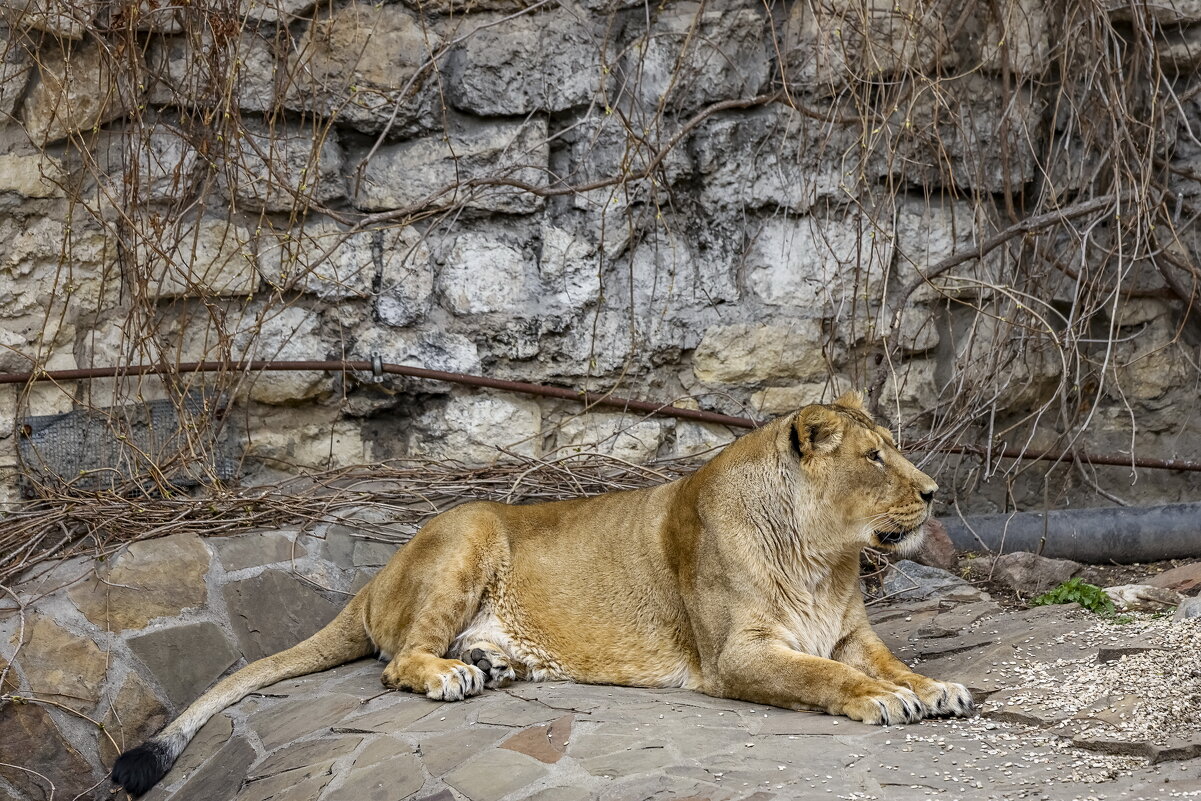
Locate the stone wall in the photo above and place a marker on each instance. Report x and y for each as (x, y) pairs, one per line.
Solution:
(734, 204)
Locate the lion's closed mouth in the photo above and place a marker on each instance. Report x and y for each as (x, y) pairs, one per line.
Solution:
(891, 537)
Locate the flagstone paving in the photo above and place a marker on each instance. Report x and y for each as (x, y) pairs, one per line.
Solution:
(1072, 708)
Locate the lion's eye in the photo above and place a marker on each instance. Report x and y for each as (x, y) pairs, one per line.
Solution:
(874, 455)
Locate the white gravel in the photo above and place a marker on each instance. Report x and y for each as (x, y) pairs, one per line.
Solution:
(1151, 696)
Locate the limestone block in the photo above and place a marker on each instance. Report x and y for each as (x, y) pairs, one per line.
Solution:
(601, 148)
(927, 233)
(610, 6)
(1019, 39)
(37, 274)
(284, 167)
(66, 20)
(703, 440)
(284, 11)
(15, 67)
(61, 666)
(368, 65)
(1149, 365)
(289, 333)
(918, 331)
(569, 268)
(813, 262)
(406, 277)
(1001, 356)
(275, 610)
(321, 258)
(134, 714)
(33, 175)
(537, 62)
(672, 279)
(74, 92)
(775, 401)
(839, 42)
(157, 16)
(151, 161)
(185, 659)
(203, 71)
(152, 579)
(967, 136)
(205, 257)
(1181, 48)
(456, 6)
(911, 390)
(473, 428)
(15, 356)
(1165, 13)
(1134, 312)
(693, 55)
(624, 437)
(426, 172)
(29, 739)
(607, 345)
(433, 350)
(747, 353)
(775, 156)
(312, 446)
(482, 274)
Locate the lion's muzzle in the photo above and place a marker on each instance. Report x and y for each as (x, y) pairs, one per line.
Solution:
(892, 537)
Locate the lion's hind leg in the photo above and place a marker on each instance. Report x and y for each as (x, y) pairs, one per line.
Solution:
(428, 595)
(492, 660)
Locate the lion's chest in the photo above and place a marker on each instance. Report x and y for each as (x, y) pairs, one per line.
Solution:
(815, 622)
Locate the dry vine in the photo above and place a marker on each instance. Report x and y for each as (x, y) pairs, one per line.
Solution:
(1053, 140)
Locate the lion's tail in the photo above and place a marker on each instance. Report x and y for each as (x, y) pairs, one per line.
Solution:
(343, 640)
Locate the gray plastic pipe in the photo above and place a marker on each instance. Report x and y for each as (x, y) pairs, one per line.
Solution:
(1097, 536)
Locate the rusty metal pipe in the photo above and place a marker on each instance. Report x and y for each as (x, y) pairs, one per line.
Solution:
(543, 390)
(340, 366)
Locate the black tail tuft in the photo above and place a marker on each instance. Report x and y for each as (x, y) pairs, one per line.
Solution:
(139, 769)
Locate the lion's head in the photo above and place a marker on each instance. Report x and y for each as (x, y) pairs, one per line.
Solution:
(854, 472)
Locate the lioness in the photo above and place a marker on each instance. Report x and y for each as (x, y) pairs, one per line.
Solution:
(740, 581)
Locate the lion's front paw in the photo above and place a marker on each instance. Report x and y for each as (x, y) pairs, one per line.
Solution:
(456, 683)
(946, 699)
(439, 679)
(885, 706)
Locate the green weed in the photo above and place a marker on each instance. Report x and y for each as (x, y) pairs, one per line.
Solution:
(1075, 591)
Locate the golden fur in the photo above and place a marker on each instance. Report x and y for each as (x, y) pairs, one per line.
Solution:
(740, 581)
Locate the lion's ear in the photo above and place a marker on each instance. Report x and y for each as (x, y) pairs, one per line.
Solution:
(816, 431)
(852, 399)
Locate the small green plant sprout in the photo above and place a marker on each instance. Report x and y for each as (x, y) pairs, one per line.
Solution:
(1075, 591)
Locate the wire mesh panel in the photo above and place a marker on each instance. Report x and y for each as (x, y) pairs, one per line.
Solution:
(146, 448)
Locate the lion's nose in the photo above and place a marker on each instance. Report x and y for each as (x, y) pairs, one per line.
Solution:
(928, 495)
